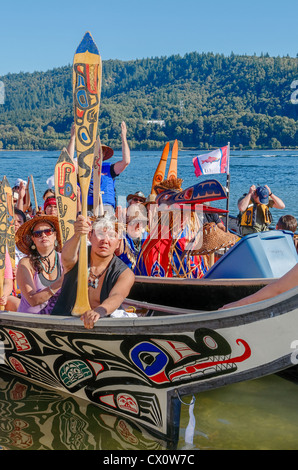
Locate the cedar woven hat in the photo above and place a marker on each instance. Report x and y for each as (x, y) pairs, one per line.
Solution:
(23, 235)
(108, 152)
(214, 239)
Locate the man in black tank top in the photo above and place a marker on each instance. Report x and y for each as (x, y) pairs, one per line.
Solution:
(109, 281)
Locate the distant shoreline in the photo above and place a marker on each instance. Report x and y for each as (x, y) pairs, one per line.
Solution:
(184, 149)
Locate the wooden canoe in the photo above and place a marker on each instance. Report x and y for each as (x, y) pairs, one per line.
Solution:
(140, 367)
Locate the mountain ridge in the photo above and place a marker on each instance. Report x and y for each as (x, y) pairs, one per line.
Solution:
(202, 99)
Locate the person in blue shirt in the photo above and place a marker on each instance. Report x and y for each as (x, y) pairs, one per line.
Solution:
(109, 170)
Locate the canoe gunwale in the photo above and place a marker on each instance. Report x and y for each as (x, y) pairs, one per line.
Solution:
(276, 306)
(202, 281)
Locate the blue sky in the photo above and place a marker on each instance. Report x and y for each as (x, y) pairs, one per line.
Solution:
(39, 35)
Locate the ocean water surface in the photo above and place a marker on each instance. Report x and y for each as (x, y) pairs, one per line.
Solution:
(277, 169)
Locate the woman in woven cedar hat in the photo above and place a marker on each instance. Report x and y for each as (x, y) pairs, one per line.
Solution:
(39, 274)
(213, 239)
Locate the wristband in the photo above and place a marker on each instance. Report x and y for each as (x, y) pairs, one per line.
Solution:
(51, 291)
(270, 194)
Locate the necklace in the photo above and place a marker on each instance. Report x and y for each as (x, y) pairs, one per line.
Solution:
(93, 280)
(137, 244)
(48, 270)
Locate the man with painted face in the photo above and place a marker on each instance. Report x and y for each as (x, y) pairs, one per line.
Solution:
(109, 280)
(254, 208)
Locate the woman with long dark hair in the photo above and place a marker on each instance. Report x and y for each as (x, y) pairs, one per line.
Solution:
(39, 274)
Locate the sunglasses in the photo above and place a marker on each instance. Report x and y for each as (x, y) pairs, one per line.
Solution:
(39, 233)
(137, 199)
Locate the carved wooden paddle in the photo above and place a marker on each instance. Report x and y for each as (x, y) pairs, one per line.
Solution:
(34, 194)
(10, 238)
(159, 174)
(66, 194)
(10, 235)
(3, 235)
(172, 173)
(86, 94)
(97, 195)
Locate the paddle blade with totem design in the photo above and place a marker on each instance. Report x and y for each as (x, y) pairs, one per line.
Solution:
(3, 236)
(86, 95)
(66, 194)
(10, 237)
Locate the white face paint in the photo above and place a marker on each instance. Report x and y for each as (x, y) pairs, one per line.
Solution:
(104, 236)
(107, 224)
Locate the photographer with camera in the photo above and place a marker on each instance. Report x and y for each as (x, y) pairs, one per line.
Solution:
(254, 208)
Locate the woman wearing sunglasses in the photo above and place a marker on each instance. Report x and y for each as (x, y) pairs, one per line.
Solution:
(39, 274)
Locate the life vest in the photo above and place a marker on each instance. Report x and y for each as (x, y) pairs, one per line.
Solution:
(107, 186)
(249, 216)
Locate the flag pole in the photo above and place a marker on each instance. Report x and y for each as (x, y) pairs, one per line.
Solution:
(228, 188)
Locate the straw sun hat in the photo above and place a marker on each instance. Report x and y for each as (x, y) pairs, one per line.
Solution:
(214, 239)
(23, 236)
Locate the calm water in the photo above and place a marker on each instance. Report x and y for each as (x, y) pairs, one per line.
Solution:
(256, 415)
(278, 169)
(260, 414)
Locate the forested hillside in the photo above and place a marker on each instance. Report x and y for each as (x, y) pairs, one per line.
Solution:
(203, 100)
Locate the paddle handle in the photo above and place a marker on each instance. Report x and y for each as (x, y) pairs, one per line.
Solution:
(100, 208)
(82, 301)
(34, 193)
